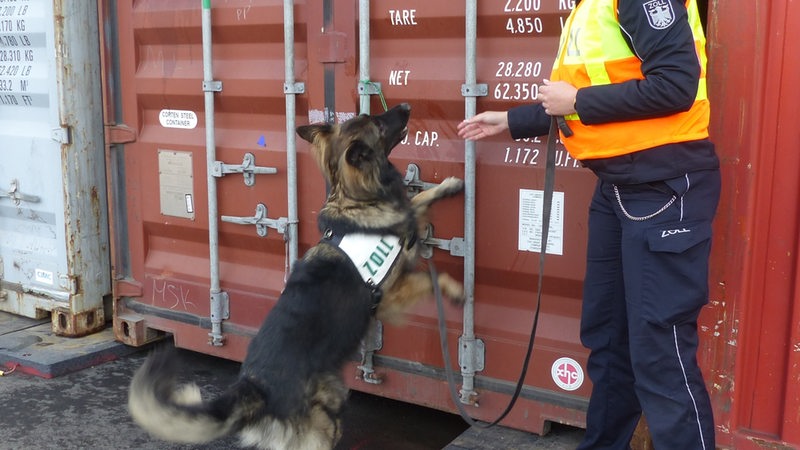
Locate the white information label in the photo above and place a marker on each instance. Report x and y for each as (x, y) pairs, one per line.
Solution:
(44, 277)
(531, 203)
(24, 56)
(177, 118)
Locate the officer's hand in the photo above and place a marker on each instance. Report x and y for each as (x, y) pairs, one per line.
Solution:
(558, 97)
(485, 124)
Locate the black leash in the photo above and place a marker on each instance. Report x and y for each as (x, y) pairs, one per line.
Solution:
(550, 168)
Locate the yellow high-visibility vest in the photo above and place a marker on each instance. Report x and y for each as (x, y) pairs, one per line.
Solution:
(593, 52)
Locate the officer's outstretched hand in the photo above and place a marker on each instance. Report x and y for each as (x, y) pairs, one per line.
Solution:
(485, 124)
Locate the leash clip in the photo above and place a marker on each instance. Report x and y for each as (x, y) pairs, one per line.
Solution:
(377, 294)
(564, 127)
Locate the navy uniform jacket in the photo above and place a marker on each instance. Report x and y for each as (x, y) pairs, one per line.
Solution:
(671, 69)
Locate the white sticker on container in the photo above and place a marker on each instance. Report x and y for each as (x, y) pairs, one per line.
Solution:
(44, 277)
(567, 374)
(531, 203)
(189, 203)
(177, 118)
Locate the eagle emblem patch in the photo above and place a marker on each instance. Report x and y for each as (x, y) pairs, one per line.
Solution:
(659, 13)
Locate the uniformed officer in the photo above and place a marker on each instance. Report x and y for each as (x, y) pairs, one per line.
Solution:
(630, 80)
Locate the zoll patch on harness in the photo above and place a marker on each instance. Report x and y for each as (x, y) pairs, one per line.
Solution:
(372, 254)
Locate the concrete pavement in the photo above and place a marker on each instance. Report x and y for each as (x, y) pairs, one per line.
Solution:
(84, 405)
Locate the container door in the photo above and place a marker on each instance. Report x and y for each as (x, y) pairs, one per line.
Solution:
(163, 278)
(417, 54)
(53, 237)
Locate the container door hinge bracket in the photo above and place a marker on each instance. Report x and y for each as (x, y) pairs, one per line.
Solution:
(119, 134)
(247, 168)
(367, 87)
(471, 358)
(471, 354)
(16, 196)
(70, 283)
(127, 287)
(456, 246)
(260, 220)
(220, 310)
(223, 306)
(475, 90)
(60, 135)
(294, 88)
(413, 182)
(212, 86)
(372, 342)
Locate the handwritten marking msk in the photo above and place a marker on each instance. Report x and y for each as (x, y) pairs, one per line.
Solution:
(166, 292)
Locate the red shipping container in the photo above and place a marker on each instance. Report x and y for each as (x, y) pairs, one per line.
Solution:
(158, 153)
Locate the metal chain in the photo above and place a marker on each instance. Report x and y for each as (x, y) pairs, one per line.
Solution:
(641, 218)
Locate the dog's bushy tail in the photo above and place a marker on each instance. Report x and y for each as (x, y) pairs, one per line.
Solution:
(177, 413)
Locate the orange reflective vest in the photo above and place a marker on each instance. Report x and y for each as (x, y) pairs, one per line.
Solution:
(593, 52)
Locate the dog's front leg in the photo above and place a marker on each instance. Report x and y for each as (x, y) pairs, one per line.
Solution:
(413, 287)
(449, 187)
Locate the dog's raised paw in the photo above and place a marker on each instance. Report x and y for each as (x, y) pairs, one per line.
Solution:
(452, 289)
(452, 185)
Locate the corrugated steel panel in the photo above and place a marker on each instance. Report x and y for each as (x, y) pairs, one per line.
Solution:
(53, 236)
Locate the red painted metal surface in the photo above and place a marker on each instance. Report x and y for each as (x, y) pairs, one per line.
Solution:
(417, 55)
(750, 331)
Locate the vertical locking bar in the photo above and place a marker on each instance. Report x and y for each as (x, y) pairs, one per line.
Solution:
(217, 298)
(291, 235)
(468, 341)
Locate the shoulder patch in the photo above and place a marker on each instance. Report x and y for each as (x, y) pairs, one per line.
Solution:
(659, 13)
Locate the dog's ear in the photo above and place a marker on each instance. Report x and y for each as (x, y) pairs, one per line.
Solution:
(359, 153)
(310, 132)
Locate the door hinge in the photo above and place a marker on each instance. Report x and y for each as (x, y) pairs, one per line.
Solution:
(413, 181)
(61, 135)
(119, 134)
(127, 287)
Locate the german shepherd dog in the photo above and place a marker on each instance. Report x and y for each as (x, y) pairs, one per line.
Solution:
(290, 392)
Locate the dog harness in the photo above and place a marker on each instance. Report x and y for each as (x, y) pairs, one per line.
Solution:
(373, 255)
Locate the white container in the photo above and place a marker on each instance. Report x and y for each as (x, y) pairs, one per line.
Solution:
(54, 254)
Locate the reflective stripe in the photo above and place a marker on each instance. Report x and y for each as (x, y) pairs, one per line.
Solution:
(702, 91)
(689, 389)
(598, 73)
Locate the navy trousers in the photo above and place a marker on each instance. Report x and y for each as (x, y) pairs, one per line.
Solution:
(646, 281)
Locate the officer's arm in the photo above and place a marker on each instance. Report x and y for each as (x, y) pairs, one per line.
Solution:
(528, 121)
(669, 64)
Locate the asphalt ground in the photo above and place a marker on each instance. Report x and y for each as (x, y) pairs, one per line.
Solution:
(86, 408)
